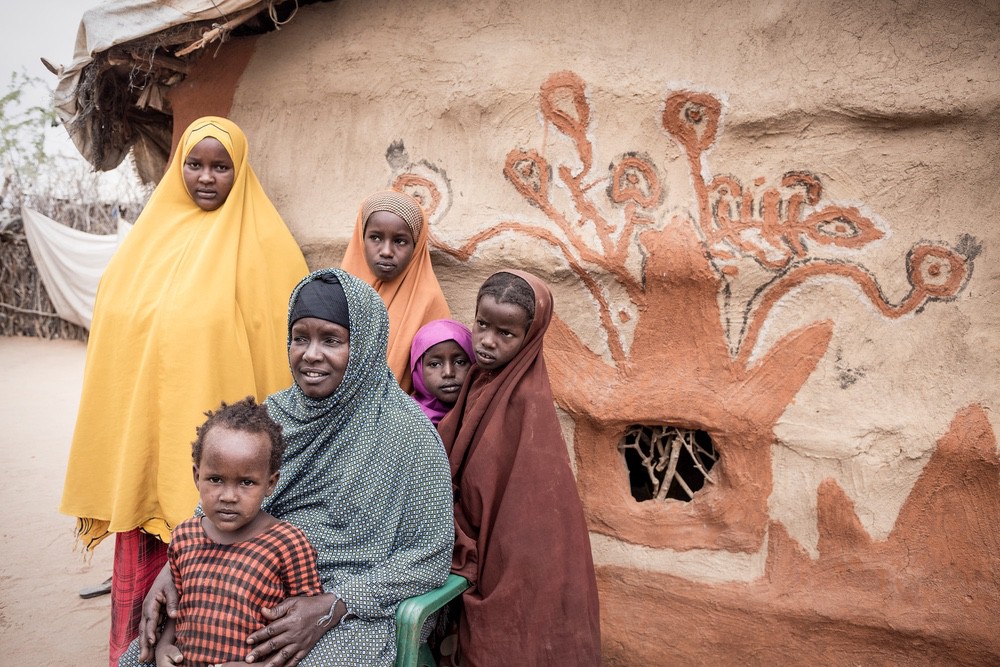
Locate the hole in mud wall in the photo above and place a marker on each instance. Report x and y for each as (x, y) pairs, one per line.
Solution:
(667, 462)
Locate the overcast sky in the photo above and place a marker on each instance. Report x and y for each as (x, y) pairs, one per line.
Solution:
(31, 30)
(39, 28)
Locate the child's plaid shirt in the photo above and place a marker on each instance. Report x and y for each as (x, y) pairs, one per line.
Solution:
(223, 587)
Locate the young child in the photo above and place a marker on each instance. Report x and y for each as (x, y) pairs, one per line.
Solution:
(521, 538)
(440, 358)
(388, 250)
(236, 559)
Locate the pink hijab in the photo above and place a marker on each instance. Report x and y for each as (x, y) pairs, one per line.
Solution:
(429, 335)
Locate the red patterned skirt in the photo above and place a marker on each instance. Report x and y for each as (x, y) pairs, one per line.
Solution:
(139, 557)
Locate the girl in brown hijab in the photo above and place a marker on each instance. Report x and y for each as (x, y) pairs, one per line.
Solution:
(389, 252)
(521, 539)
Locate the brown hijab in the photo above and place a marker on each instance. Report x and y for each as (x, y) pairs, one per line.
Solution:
(521, 538)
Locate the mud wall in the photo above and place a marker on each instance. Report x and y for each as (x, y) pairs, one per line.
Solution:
(768, 226)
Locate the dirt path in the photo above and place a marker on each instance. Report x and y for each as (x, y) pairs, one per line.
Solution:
(42, 619)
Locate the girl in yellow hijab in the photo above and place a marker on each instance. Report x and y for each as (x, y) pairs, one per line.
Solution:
(388, 250)
(190, 312)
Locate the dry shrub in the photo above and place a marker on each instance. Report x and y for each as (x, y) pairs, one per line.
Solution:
(25, 307)
(61, 187)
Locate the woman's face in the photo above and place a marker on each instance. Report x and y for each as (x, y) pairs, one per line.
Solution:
(208, 174)
(499, 332)
(388, 245)
(318, 355)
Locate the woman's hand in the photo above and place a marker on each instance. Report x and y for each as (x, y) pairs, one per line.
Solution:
(161, 598)
(292, 630)
(168, 655)
(167, 652)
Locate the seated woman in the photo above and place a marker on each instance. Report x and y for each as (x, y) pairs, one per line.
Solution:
(389, 252)
(364, 476)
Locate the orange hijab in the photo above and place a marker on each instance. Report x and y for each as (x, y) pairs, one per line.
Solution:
(190, 312)
(413, 298)
(520, 535)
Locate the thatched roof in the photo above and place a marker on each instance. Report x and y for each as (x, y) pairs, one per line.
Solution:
(128, 53)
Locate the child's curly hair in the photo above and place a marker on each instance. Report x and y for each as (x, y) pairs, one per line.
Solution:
(247, 416)
(508, 288)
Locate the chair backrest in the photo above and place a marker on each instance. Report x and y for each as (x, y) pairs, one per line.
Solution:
(412, 613)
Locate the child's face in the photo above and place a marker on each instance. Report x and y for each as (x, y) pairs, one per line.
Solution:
(208, 174)
(388, 245)
(499, 332)
(445, 366)
(233, 477)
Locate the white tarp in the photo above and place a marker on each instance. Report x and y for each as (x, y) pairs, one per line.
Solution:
(117, 22)
(70, 263)
(120, 21)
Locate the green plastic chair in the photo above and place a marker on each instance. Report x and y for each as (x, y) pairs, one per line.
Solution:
(411, 614)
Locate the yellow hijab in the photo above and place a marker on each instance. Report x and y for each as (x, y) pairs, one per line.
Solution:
(190, 312)
(414, 297)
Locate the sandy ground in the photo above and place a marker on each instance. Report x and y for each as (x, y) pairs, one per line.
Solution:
(43, 621)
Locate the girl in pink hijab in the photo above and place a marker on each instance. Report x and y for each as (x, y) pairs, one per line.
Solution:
(440, 358)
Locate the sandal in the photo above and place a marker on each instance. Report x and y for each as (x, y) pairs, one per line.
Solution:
(96, 591)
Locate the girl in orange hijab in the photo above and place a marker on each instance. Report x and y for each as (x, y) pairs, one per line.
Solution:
(389, 251)
(190, 312)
